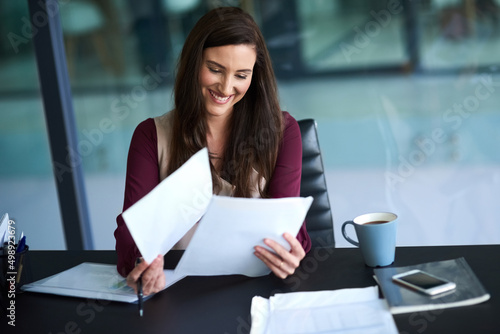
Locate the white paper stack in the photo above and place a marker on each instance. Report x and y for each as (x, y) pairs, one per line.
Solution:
(344, 311)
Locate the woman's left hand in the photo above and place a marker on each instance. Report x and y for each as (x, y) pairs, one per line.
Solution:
(283, 262)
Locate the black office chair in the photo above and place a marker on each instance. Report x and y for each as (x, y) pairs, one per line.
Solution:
(319, 220)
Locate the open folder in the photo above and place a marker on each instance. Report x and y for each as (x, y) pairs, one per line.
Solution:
(230, 228)
(91, 280)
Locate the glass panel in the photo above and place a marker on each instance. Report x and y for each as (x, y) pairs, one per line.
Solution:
(27, 192)
(351, 34)
(459, 33)
(121, 57)
(422, 146)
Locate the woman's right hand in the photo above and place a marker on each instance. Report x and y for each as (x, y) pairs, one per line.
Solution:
(153, 277)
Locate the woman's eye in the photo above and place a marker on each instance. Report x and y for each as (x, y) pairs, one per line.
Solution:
(213, 70)
(243, 77)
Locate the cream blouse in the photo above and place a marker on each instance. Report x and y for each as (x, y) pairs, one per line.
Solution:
(163, 130)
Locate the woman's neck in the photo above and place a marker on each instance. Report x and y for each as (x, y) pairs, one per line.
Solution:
(217, 135)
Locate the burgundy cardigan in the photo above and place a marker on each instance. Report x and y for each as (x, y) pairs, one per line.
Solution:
(143, 175)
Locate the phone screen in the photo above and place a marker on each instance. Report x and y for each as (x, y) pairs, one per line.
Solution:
(422, 280)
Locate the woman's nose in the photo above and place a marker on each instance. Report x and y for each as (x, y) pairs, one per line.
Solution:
(227, 86)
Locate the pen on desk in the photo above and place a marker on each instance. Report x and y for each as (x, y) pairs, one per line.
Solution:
(139, 290)
(21, 244)
(20, 269)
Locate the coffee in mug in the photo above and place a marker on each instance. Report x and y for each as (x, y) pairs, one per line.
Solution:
(377, 222)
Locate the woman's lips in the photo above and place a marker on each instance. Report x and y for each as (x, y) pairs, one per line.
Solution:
(218, 98)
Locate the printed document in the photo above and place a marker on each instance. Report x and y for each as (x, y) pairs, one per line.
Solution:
(162, 217)
(224, 241)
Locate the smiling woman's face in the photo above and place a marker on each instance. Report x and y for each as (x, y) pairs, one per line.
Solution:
(226, 74)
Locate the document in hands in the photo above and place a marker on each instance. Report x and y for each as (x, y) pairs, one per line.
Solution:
(225, 237)
(230, 228)
(162, 217)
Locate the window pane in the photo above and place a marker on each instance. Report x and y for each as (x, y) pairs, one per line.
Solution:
(421, 145)
(351, 34)
(27, 192)
(459, 34)
(121, 57)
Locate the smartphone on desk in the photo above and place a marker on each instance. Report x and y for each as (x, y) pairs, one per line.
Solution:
(424, 282)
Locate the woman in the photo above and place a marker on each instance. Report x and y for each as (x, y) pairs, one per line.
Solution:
(225, 99)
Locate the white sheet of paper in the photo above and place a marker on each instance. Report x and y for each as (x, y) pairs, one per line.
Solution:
(224, 241)
(357, 310)
(162, 217)
(91, 280)
(4, 222)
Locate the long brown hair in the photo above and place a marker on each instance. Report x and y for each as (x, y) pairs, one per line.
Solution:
(256, 123)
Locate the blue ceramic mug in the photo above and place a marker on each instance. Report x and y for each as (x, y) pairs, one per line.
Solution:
(376, 234)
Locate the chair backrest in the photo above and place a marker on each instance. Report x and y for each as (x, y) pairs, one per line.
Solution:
(319, 219)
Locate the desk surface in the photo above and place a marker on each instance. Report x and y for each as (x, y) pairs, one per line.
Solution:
(221, 304)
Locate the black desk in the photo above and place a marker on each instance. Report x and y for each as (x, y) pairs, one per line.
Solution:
(222, 304)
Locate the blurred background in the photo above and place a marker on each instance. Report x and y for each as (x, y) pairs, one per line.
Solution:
(406, 95)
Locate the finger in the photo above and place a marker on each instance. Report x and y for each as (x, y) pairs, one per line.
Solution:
(296, 246)
(280, 266)
(283, 254)
(285, 261)
(138, 271)
(147, 282)
(155, 277)
(156, 283)
(134, 275)
(132, 284)
(269, 256)
(161, 282)
(279, 270)
(150, 276)
(148, 288)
